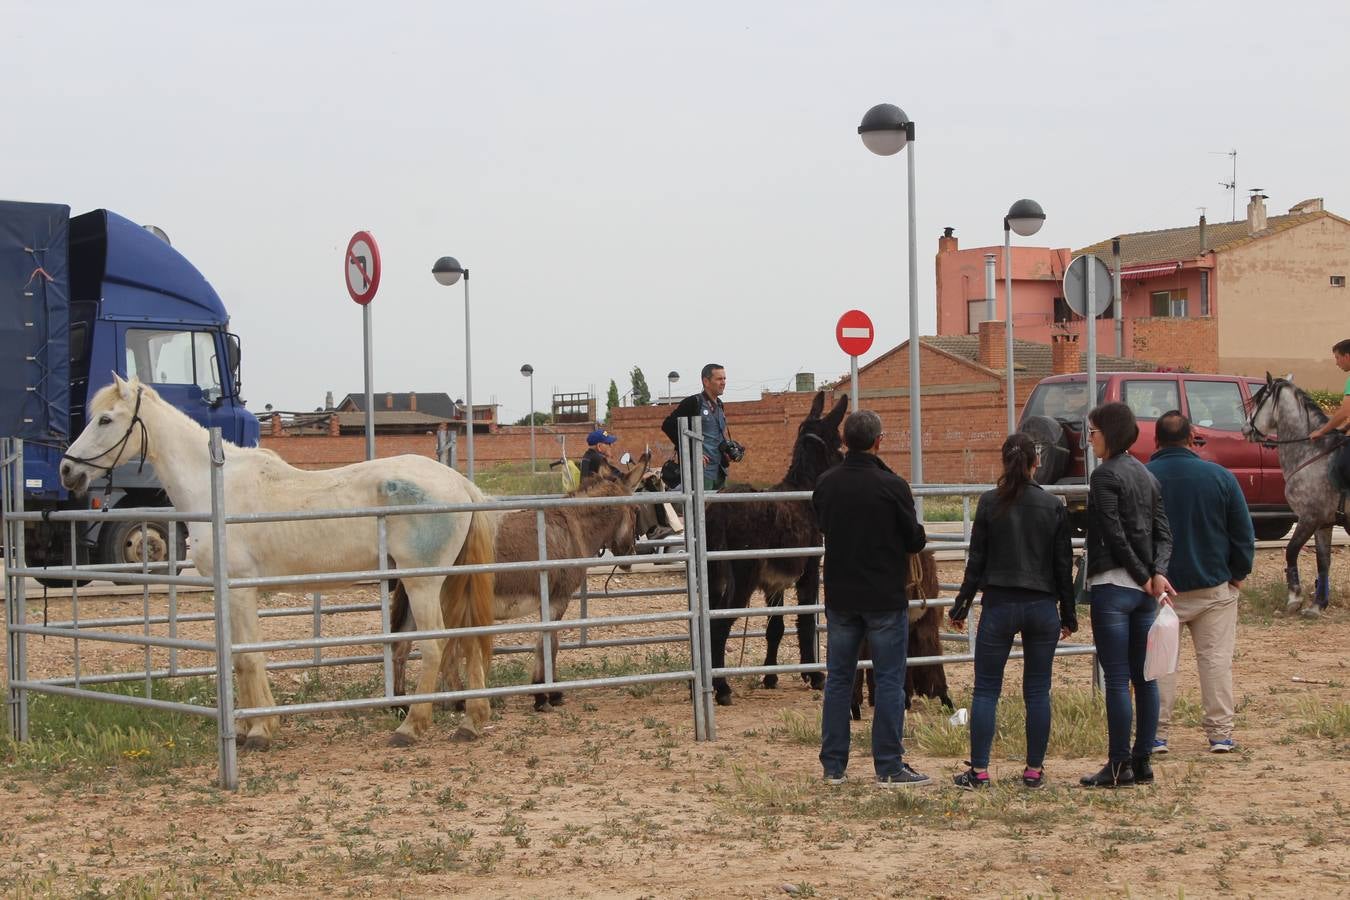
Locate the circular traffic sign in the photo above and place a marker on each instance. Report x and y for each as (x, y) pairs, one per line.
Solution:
(361, 264)
(1076, 285)
(854, 332)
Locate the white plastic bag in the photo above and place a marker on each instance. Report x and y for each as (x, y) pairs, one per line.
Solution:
(1164, 644)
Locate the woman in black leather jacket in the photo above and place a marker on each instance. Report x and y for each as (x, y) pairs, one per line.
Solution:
(1128, 548)
(1021, 559)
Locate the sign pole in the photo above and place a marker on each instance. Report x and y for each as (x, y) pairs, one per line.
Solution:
(370, 394)
(853, 383)
(1089, 461)
(361, 266)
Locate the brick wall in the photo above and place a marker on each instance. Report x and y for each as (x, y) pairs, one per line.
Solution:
(1192, 343)
(511, 443)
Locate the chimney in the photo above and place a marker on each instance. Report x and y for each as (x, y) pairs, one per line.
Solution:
(328, 400)
(1256, 212)
(334, 429)
(1065, 357)
(412, 401)
(1203, 248)
(388, 401)
(947, 243)
(275, 424)
(993, 355)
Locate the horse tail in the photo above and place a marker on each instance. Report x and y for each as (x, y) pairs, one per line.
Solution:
(467, 600)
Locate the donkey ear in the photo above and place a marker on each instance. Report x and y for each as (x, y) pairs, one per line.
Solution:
(836, 415)
(817, 405)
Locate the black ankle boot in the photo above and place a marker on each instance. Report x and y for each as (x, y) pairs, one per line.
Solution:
(1112, 775)
(1143, 771)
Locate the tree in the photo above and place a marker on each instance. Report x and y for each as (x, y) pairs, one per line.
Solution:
(540, 418)
(642, 395)
(611, 400)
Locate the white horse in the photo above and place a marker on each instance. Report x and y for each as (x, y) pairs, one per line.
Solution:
(260, 481)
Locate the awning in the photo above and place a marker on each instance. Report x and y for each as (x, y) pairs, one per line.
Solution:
(1138, 273)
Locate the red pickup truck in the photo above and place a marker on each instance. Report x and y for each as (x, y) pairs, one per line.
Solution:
(1216, 405)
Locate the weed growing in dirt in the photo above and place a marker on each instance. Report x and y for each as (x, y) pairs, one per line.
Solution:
(1324, 720)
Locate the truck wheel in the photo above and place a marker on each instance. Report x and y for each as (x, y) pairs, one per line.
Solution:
(1272, 529)
(134, 542)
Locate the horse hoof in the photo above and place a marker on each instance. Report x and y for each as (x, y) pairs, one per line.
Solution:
(401, 739)
(557, 699)
(463, 734)
(256, 743)
(1312, 612)
(723, 699)
(771, 681)
(542, 706)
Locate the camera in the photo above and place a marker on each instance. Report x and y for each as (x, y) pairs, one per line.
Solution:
(734, 450)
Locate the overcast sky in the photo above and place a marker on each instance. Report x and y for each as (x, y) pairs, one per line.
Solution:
(641, 184)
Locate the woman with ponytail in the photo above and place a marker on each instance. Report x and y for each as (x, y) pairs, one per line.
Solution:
(1021, 561)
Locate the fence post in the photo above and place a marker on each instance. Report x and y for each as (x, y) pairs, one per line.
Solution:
(225, 724)
(16, 597)
(694, 451)
(387, 652)
(173, 596)
(75, 600)
(691, 577)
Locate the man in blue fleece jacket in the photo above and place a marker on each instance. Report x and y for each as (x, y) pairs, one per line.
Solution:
(1212, 550)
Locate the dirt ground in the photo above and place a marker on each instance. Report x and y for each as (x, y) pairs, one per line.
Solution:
(611, 796)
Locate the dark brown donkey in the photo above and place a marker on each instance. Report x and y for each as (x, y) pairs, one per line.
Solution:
(925, 625)
(571, 532)
(771, 525)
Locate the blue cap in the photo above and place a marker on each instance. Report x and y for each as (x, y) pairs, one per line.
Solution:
(600, 436)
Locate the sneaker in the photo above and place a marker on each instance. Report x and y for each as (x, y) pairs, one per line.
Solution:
(1031, 778)
(835, 778)
(906, 777)
(1112, 775)
(1224, 746)
(1159, 745)
(971, 780)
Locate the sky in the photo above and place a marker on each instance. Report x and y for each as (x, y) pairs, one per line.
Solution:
(641, 184)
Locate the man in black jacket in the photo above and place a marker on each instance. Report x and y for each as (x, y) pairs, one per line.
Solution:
(867, 514)
(706, 404)
(595, 461)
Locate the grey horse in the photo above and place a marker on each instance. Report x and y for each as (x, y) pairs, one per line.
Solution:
(1282, 408)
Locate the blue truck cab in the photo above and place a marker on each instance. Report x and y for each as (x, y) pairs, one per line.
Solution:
(80, 298)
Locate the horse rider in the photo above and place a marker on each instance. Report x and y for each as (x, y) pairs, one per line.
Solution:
(707, 404)
(595, 461)
(1341, 418)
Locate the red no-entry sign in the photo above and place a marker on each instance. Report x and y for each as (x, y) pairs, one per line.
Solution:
(854, 332)
(361, 265)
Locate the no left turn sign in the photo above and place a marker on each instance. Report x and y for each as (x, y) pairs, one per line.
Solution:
(362, 267)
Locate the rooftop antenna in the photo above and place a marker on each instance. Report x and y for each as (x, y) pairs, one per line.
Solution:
(1231, 186)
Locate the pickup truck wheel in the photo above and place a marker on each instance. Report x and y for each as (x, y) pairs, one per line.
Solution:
(1272, 529)
(134, 542)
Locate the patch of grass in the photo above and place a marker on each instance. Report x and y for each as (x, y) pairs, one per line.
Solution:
(84, 738)
(1324, 720)
(515, 479)
(944, 509)
(1261, 604)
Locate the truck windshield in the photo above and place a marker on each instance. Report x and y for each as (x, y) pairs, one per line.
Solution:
(1064, 400)
(174, 357)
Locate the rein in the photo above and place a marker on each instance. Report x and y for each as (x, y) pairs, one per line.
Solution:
(1274, 397)
(118, 447)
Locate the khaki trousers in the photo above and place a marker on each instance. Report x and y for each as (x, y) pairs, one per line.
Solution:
(1211, 615)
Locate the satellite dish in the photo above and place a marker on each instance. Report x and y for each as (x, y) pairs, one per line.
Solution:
(159, 233)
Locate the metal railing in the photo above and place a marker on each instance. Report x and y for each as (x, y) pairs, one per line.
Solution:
(695, 615)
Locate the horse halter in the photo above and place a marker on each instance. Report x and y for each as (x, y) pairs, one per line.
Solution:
(1272, 392)
(118, 447)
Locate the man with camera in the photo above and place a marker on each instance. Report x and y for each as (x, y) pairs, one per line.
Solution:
(719, 450)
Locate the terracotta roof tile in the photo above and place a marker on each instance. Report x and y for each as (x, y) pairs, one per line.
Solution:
(1184, 243)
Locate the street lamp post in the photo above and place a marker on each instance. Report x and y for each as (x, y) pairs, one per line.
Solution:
(528, 371)
(447, 271)
(671, 377)
(886, 130)
(1026, 218)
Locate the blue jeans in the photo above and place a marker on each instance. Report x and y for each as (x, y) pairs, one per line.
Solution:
(1121, 618)
(887, 634)
(1038, 623)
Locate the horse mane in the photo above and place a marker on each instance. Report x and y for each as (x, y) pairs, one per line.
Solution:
(1314, 410)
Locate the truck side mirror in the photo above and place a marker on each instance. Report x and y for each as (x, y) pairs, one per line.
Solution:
(232, 348)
